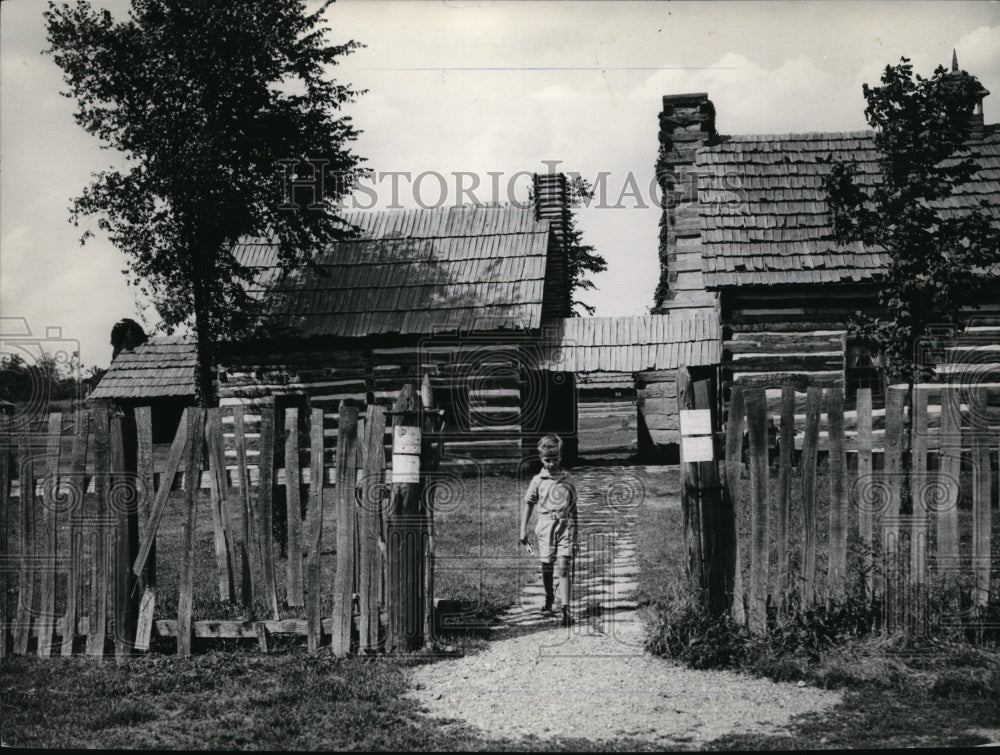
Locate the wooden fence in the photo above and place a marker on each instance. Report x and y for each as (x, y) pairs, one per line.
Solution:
(79, 533)
(889, 524)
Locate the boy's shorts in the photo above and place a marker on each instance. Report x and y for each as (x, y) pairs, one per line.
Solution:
(555, 538)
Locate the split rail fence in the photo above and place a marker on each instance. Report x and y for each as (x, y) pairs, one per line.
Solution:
(79, 532)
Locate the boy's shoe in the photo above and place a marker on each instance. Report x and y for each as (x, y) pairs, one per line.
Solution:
(547, 608)
(567, 620)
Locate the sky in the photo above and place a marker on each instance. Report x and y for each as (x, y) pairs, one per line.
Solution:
(487, 89)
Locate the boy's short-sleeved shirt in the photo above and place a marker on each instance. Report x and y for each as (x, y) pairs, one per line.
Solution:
(554, 496)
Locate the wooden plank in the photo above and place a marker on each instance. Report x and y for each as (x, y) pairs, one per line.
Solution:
(248, 586)
(865, 488)
(430, 459)
(786, 461)
(234, 629)
(735, 425)
(144, 624)
(293, 564)
(919, 490)
(369, 527)
(5, 528)
(26, 548)
(99, 587)
(313, 568)
(77, 486)
(47, 614)
(981, 485)
(893, 469)
(948, 482)
(343, 583)
(756, 405)
(836, 582)
(265, 523)
(178, 450)
(690, 502)
(718, 522)
(196, 429)
(144, 469)
(125, 510)
(218, 486)
(813, 397)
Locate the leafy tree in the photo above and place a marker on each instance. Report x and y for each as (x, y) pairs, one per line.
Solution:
(582, 260)
(939, 260)
(203, 100)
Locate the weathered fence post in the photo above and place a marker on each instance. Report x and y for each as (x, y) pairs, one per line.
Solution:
(756, 403)
(890, 515)
(918, 495)
(369, 527)
(99, 588)
(50, 528)
(265, 529)
(405, 527)
(735, 425)
(26, 550)
(125, 499)
(981, 486)
(144, 470)
(836, 579)
(195, 434)
(810, 443)
(5, 454)
(248, 585)
(690, 499)
(314, 583)
(430, 459)
(718, 526)
(77, 489)
(343, 585)
(865, 488)
(786, 461)
(225, 541)
(949, 470)
(293, 507)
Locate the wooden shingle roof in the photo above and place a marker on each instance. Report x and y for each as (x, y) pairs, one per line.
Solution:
(413, 272)
(163, 366)
(633, 343)
(764, 216)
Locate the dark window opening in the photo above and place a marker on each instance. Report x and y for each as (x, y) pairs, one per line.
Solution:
(862, 369)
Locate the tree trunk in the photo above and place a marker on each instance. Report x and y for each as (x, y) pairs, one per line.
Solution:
(205, 349)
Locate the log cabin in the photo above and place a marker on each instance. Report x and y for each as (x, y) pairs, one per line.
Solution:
(746, 228)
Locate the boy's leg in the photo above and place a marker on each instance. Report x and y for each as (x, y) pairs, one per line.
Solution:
(563, 572)
(548, 569)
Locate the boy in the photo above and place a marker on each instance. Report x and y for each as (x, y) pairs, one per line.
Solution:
(553, 491)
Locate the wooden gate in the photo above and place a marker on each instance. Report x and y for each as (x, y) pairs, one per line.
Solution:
(85, 540)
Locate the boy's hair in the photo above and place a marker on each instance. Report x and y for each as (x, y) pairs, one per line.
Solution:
(551, 440)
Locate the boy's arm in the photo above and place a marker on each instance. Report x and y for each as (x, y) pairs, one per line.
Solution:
(530, 498)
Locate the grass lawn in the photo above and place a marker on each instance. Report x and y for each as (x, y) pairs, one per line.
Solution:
(235, 697)
(897, 694)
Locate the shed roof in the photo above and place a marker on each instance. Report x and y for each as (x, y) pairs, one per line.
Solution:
(764, 216)
(164, 366)
(688, 337)
(413, 272)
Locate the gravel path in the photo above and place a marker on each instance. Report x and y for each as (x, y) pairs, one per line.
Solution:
(593, 679)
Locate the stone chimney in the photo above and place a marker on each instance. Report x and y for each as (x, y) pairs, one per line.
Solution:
(976, 125)
(551, 192)
(686, 123)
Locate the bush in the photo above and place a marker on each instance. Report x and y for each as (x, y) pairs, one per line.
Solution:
(683, 629)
